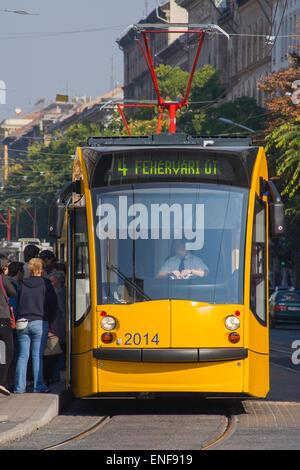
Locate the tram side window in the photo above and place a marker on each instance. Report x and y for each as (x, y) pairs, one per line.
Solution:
(81, 265)
(258, 263)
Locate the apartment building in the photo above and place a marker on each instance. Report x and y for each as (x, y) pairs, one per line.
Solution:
(259, 42)
(137, 80)
(285, 24)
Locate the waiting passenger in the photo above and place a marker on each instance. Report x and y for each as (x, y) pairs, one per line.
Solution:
(30, 251)
(16, 275)
(6, 331)
(37, 306)
(48, 258)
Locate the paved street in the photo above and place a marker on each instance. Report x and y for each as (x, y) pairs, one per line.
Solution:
(183, 424)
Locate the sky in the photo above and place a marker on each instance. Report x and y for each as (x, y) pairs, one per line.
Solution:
(52, 50)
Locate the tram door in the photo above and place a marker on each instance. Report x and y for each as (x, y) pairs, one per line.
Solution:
(258, 285)
(258, 338)
(79, 298)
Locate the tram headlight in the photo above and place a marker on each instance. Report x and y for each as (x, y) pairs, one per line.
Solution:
(232, 323)
(108, 323)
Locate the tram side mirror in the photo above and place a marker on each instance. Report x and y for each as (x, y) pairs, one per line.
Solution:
(276, 209)
(56, 219)
(58, 208)
(277, 219)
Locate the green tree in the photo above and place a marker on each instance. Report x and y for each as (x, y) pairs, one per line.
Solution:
(286, 141)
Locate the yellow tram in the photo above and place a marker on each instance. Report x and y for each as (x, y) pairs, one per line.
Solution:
(167, 249)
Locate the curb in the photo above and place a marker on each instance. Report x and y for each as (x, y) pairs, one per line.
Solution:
(41, 416)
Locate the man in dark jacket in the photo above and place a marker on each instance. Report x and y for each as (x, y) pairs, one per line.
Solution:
(6, 332)
(37, 304)
(48, 258)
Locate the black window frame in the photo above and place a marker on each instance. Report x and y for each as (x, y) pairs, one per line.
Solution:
(78, 211)
(256, 277)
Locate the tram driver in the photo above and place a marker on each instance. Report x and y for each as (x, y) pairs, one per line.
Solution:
(183, 264)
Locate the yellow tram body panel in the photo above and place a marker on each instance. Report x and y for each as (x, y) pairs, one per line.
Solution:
(143, 322)
(206, 377)
(177, 324)
(92, 376)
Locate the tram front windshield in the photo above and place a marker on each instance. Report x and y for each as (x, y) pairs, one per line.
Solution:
(170, 241)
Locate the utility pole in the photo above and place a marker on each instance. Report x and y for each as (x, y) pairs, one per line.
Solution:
(34, 220)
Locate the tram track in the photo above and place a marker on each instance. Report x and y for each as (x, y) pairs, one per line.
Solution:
(226, 432)
(218, 436)
(98, 425)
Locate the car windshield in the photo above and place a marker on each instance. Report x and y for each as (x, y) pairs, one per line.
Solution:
(170, 241)
(288, 297)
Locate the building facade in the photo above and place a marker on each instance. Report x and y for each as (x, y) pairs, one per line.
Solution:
(259, 41)
(137, 79)
(285, 27)
(246, 57)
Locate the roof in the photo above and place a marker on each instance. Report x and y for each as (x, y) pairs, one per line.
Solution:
(170, 139)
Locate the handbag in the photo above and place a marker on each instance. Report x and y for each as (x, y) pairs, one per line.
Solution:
(11, 311)
(21, 324)
(52, 347)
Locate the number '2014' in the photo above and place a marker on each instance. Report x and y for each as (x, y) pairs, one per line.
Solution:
(136, 339)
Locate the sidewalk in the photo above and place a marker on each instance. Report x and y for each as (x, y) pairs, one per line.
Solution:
(21, 414)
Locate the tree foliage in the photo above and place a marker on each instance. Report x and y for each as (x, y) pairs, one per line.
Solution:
(38, 176)
(283, 142)
(278, 89)
(283, 129)
(286, 140)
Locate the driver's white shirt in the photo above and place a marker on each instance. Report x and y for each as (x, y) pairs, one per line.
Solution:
(190, 262)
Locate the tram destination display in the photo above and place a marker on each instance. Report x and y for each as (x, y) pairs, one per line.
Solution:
(154, 165)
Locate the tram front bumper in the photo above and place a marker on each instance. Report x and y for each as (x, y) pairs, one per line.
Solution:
(187, 355)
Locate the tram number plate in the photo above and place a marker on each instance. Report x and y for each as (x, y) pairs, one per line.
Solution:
(136, 339)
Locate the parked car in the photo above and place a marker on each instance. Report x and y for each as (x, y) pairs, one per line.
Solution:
(285, 307)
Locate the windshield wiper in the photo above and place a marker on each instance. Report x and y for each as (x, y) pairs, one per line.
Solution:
(129, 281)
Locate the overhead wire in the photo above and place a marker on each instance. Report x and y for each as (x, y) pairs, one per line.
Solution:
(272, 21)
(280, 23)
(32, 35)
(29, 35)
